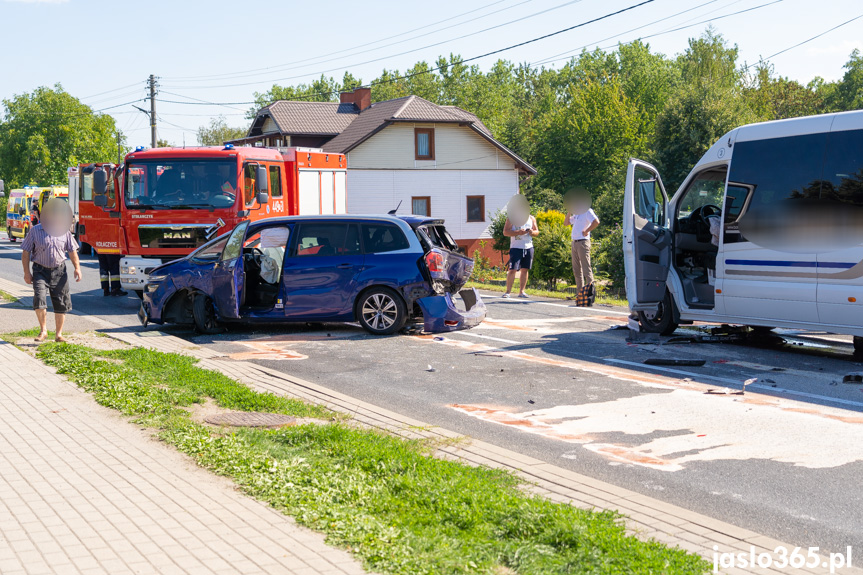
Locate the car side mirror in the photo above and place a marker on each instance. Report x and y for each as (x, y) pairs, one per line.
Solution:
(100, 183)
(22, 211)
(262, 182)
(263, 198)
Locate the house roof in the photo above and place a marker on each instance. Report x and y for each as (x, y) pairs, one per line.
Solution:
(352, 127)
(307, 118)
(412, 109)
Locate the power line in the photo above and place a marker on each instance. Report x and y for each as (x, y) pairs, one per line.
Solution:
(810, 39)
(569, 54)
(281, 66)
(570, 2)
(430, 70)
(109, 91)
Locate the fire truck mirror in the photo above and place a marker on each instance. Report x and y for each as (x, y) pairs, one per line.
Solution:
(263, 197)
(262, 182)
(100, 201)
(100, 185)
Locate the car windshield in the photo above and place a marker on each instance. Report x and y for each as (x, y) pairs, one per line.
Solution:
(181, 184)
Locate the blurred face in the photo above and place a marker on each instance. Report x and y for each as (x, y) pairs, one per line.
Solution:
(56, 218)
(577, 201)
(518, 210)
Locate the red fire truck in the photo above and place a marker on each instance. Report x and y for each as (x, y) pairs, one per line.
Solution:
(162, 203)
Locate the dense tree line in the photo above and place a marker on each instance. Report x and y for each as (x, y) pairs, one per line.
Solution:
(579, 124)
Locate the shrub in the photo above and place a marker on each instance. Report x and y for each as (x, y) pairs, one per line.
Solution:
(552, 248)
(607, 257)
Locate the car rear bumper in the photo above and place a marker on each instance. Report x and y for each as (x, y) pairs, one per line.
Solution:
(440, 313)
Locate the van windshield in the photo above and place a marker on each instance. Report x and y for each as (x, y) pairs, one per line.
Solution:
(181, 184)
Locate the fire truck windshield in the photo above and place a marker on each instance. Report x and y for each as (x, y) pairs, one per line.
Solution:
(181, 184)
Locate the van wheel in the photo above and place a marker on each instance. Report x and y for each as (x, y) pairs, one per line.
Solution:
(204, 314)
(11, 238)
(381, 311)
(661, 322)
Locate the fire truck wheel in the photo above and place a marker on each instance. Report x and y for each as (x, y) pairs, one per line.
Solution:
(204, 314)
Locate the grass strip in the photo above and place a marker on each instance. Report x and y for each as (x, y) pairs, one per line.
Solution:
(385, 499)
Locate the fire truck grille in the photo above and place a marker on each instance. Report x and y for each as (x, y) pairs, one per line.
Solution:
(172, 237)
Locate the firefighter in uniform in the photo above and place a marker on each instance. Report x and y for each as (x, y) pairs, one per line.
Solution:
(109, 274)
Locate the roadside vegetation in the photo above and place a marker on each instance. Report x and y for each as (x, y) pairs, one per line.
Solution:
(385, 499)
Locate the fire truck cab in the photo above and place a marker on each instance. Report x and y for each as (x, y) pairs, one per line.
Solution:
(163, 203)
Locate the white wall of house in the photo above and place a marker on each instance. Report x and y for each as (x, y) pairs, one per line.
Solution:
(456, 147)
(379, 191)
(383, 171)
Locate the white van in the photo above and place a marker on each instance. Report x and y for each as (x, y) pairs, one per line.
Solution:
(765, 231)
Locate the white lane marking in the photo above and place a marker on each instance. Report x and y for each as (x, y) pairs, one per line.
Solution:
(489, 337)
(589, 311)
(739, 383)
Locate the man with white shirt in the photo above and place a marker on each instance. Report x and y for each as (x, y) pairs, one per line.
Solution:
(582, 224)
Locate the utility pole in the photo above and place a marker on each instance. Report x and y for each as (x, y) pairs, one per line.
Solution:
(152, 110)
(119, 149)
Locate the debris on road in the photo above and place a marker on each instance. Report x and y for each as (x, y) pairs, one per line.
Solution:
(431, 369)
(853, 378)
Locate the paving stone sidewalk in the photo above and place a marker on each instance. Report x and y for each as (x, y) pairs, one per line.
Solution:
(82, 490)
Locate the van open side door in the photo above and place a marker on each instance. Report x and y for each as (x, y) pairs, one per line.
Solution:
(647, 239)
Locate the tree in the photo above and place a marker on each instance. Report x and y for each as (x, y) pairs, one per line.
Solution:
(218, 132)
(321, 90)
(44, 132)
(709, 103)
(848, 94)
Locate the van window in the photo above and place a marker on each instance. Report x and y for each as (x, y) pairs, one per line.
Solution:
(649, 201)
(780, 169)
(843, 168)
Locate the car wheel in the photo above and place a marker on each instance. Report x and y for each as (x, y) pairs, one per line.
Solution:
(661, 322)
(204, 314)
(381, 311)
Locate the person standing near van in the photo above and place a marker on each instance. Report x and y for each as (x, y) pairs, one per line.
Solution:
(520, 253)
(582, 224)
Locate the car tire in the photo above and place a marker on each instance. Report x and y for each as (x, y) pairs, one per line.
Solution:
(663, 321)
(204, 314)
(381, 311)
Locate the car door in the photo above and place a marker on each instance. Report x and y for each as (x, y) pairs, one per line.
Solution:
(229, 277)
(647, 241)
(320, 272)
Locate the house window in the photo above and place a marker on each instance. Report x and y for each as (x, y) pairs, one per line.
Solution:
(476, 208)
(421, 205)
(424, 143)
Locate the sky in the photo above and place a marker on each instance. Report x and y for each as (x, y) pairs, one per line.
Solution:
(219, 51)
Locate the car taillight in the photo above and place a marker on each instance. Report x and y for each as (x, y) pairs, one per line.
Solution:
(434, 261)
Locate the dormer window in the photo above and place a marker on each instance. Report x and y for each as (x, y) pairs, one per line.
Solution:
(424, 143)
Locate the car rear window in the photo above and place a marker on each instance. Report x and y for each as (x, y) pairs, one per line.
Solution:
(439, 237)
(381, 238)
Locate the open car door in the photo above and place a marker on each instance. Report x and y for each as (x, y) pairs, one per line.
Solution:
(228, 276)
(647, 239)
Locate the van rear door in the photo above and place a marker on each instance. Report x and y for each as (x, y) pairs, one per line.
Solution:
(647, 239)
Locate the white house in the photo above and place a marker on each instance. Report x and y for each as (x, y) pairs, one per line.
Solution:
(439, 161)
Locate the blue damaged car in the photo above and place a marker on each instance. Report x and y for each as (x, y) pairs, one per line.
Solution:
(380, 271)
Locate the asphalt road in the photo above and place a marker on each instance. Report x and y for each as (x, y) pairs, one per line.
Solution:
(564, 385)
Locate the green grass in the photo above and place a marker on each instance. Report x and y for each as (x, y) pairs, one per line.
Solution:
(5, 296)
(600, 299)
(386, 499)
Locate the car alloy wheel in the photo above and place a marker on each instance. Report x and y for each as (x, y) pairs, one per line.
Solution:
(382, 312)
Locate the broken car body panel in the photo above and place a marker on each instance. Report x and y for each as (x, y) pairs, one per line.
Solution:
(441, 314)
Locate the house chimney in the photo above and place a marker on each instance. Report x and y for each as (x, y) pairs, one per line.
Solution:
(360, 97)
